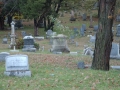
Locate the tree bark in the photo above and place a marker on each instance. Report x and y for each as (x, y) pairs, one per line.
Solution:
(1, 23)
(35, 27)
(104, 36)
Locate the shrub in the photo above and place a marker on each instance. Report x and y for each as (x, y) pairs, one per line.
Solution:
(19, 43)
(36, 46)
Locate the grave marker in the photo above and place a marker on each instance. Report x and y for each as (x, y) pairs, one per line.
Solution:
(118, 30)
(28, 44)
(17, 65)
(115, 51)
(3, 55)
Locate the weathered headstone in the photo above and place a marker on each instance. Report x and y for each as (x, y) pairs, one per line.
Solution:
(84, 27)
(72, 18)
(118, 18)
(82, 32)
(28, 44)
(73, 53)
(23, 33)
(17, 65)
(59, 43)
(5, 40)
(118, 30)
(75, 31)
(81, 65)
(115, 51)
(92, 38)
(95, 28)
(3, 55)
(49, 33)
(84, 17)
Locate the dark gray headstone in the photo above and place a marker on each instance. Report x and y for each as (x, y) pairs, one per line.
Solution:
(118, 30)
(3, 55)
(17, 65)
(81, 65)
(96, 28)
(84, 16)
(28, 44)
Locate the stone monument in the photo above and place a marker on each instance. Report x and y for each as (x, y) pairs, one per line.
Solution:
(12, 36)
(59, 44)
(28, 44)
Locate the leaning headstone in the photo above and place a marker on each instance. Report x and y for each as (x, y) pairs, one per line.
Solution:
(17, 65)
(118, 30)
(3, 55)
(81, 65)
(115, 51)
(28, 44)
(95, 28)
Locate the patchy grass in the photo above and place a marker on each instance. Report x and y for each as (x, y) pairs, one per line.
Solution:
(59, 72)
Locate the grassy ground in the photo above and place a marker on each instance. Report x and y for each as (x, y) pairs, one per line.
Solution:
(59, 72)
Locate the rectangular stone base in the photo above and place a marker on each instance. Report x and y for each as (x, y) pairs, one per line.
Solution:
(18, 73)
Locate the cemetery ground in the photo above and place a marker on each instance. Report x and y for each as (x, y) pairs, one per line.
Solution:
(59, 71)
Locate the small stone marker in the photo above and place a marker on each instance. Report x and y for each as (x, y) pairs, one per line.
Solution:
(4, 41)
(95, 28)
(3, 55)
(118, 30)
(116, 67)
(73, 53)
(115, 51)
(81, 65)
(17, 65)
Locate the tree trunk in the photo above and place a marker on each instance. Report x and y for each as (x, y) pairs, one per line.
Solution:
(104, 35)
(35, 27)
(1, 23)
(45, 24)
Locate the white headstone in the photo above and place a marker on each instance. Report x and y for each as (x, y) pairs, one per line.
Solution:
(17, 65)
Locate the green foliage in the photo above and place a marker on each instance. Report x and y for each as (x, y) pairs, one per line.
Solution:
(36, 46)
(19, 43)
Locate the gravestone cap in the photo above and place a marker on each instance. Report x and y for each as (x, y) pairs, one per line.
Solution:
(12, 23)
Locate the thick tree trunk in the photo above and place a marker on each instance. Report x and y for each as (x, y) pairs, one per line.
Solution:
(104, 35)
